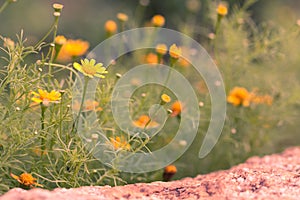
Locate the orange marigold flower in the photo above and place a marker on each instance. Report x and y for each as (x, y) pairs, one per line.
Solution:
(222, 9)
(169, 172)
(26, 180)
(151, 58)
(144, 121)
(45, 97)
(161, 49)
(72, 48)
(110, 26)
(158, 20)
(239, 96)
(165, 98)
(119, 143)
(174, 51)
(176, 108)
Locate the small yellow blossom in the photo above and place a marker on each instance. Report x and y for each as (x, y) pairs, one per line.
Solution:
(222, 10)
(26, 180)
(60, 40)
(239, 96)
(175, 52)
(122, 17)
(110, 26)
(45, 97)
(88, 68)
(144, 121)
(119, 143)
(161, 49)
(158, 20)
(165, 98)
(176, 108)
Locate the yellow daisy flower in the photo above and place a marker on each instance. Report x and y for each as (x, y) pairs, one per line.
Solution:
(88, 68)
(174, 51)
(165, 98)
(45, 97)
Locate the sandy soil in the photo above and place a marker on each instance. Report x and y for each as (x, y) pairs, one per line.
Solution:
(270, 177)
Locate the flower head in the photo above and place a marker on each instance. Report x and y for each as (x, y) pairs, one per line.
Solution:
(176, 108)
(158, 20)
(161, 49)
(169, 172)
(151, 58)
(71, 48)
(175, 52)
(60, 40)
(144, 121)
(165, 98)
(222, 10)
(119, 143)
(122, 17)
(110, 26)
(88, 68)
(45, 97)
(26, 180)
(239, 96)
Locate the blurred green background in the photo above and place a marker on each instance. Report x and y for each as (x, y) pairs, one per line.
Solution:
(85, 19)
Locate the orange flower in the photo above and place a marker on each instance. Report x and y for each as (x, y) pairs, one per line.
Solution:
(169, 172)
(176, 108)
(71, 49)
(26, 180)
(60, 40)
(119, 143)
(151, 58)
(222, 10)
(158, 20)
(89, 105)
(110, 26)
(239, 96)
(174, 51)
(144, 121)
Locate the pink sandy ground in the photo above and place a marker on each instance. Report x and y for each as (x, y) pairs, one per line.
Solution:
(270, 177)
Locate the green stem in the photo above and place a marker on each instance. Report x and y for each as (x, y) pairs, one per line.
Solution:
(43, 140)
(75, 124)
(4, 5)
